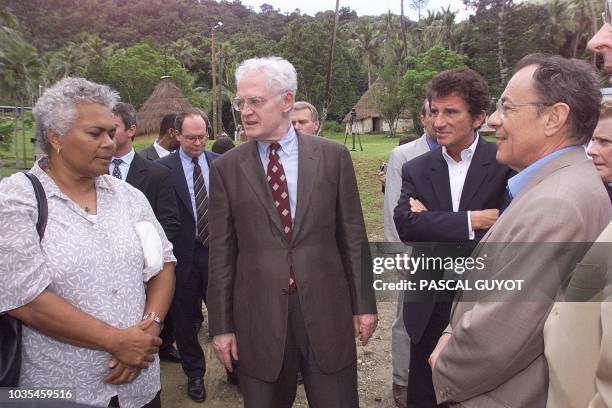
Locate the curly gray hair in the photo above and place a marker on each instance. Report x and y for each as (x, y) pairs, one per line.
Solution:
(56, 110)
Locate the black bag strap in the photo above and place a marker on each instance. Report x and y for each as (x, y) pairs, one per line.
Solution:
(41, 201)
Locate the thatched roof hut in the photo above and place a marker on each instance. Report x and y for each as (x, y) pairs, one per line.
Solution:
(369, 119)
(166, 98)
(368, 106)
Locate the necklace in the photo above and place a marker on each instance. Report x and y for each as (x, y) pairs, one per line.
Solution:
(87, 209)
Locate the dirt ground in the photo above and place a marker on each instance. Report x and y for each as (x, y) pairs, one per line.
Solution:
(374, 371)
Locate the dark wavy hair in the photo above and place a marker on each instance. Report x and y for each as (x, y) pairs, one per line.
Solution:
(464, 82)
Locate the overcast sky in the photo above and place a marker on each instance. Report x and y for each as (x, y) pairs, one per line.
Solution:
(362, 7)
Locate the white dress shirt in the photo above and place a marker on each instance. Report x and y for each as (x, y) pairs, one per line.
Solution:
(457, 171)
(161, 152)
(124, 167)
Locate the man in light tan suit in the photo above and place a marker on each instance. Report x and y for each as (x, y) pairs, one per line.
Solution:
(287, 290)
(578, 336)
(491, 355)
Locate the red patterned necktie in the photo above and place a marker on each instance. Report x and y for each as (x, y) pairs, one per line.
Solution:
(280, 193)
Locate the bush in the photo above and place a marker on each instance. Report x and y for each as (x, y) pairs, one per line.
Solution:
(333, 127)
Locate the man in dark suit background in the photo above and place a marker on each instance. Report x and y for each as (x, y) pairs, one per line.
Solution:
(189, 168)
(287, 290)
(166, 143)
(450, 194)
(150, 178)
(166, 140)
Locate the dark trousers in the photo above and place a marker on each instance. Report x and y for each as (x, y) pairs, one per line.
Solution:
(186, 311)
(338, 390)
(154, 403)
(421, 392)
(167, 333)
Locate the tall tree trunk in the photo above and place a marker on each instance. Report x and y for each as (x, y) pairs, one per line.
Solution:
(594, 26)
(369, 74)
(405, 43)
(502, 60)
(330, 69)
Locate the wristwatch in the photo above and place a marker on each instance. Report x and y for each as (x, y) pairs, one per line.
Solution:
(153, 316)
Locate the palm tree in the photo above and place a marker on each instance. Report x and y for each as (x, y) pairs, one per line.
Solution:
(184, 52)
(20, 69)
(95, 48)
(367, 37)
(66, 61)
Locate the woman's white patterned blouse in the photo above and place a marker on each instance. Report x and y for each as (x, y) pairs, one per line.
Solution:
(95, 263)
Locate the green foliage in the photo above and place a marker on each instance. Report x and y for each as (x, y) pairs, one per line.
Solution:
(307, 47)
(391, 100)
(332, 127)
(136, 73)
(423, 67)
(6, 130)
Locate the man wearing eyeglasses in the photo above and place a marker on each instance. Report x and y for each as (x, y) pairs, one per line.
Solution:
(287, 291)
(577, 333)
(492, 353)
(189, 168)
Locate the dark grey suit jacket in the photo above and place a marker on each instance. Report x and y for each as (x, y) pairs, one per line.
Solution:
(184, 240)
(250, 257)
(154, 182)
(149, 153)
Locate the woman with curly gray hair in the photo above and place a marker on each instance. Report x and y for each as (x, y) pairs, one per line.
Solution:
(92, 299)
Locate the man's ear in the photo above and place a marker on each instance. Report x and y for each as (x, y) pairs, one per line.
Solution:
(478, 120)
(288, 99)
(132, 132)
(557, 118)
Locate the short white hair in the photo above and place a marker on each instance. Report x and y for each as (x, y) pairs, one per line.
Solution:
(281, 75)
(56, 109)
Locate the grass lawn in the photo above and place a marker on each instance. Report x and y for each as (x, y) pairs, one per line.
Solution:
(376, 149)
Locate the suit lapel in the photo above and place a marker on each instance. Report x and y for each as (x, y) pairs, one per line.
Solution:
(477, 173)
(308, 163)
(136, 173)
(180, 183)
(440, 181)
(253, 171)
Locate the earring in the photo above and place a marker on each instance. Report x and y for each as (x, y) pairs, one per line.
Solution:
(59, 150)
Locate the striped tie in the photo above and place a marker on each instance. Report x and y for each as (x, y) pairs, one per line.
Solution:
(201, 199)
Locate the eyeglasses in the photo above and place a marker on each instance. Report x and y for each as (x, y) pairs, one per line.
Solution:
(606, 15)
(255, 102)
(193, 138)
(503, 109)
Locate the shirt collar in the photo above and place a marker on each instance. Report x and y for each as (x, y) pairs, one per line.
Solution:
(127, 159)
(49, 185)
(185, 158)
(518, 182)
(287, 143)
(466, 154)
(160, 147)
